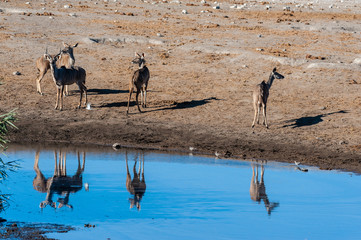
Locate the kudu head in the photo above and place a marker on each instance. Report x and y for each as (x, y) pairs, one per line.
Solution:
(276, 75)
(139, 59)
(52, 60)
(68, 49)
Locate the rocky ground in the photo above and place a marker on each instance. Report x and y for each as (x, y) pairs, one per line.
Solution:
(205, 59)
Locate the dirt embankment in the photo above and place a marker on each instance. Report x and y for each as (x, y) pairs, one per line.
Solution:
(204, 64)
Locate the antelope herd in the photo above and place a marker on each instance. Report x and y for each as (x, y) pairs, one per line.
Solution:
(64, 73)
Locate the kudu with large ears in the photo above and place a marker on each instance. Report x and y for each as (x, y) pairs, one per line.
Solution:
(66, 59)
(64, 76)
(139, 81)
(260, 96)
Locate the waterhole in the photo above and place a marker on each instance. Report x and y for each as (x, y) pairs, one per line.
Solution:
(131, 194)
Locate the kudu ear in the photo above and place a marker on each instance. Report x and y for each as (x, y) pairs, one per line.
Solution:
(75, 45)
(143, 55)
(137, 54)
(274, 70)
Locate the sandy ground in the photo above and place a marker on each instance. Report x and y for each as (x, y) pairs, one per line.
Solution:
(204, 63)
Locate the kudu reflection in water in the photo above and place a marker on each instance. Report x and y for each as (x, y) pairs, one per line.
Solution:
(136, 186)
(60, 183)
(258, 189)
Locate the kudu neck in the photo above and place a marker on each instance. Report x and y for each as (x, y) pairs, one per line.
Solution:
(270, 80)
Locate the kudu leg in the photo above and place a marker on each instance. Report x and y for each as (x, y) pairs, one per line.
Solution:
(38, 80)
(81, 96)
(86, 95)
(145, 98)
(254, 118)
(258, 112)
(61, 97)
(57, 97)
(136, 99)
(130, 95)
(265, 122)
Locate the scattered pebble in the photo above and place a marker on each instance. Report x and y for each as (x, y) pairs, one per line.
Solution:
(88, 225)
(116, 146)
(16, 73)
(184, 11)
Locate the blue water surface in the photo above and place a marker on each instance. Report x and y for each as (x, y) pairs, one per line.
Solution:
(186, 197)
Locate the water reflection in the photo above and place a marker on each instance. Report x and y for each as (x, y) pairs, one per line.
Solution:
(257, 189)
(136, 186)
(60, 183)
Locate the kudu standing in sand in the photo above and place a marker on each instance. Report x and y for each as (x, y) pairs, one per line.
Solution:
(136, 186)
(66, 59)
(60, 183)
(67, 76)
(257, 190)
(140, 81)
(260, 96)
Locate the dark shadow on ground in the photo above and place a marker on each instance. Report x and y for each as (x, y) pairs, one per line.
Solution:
(173, 106)
(117, 104)
(185, 105)
(309, 121)
(96, 91)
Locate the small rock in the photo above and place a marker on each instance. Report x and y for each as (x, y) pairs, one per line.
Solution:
(88, 225)
(260, 49)
(342, 142)
(228, 154)
(184, 11)
(160, 35)
(16, 73)
(116, 146)
(357, 61)
(217, 7)
(287, 8)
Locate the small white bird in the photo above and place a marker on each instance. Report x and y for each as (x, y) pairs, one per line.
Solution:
(297, 163)
(217, 154)
(192, 148)
(86, 186)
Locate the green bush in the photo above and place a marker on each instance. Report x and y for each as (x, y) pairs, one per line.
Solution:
(6, 120)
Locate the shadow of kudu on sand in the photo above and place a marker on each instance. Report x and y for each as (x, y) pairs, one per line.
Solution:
(185, 104)
(175, 105)
(309, 121)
